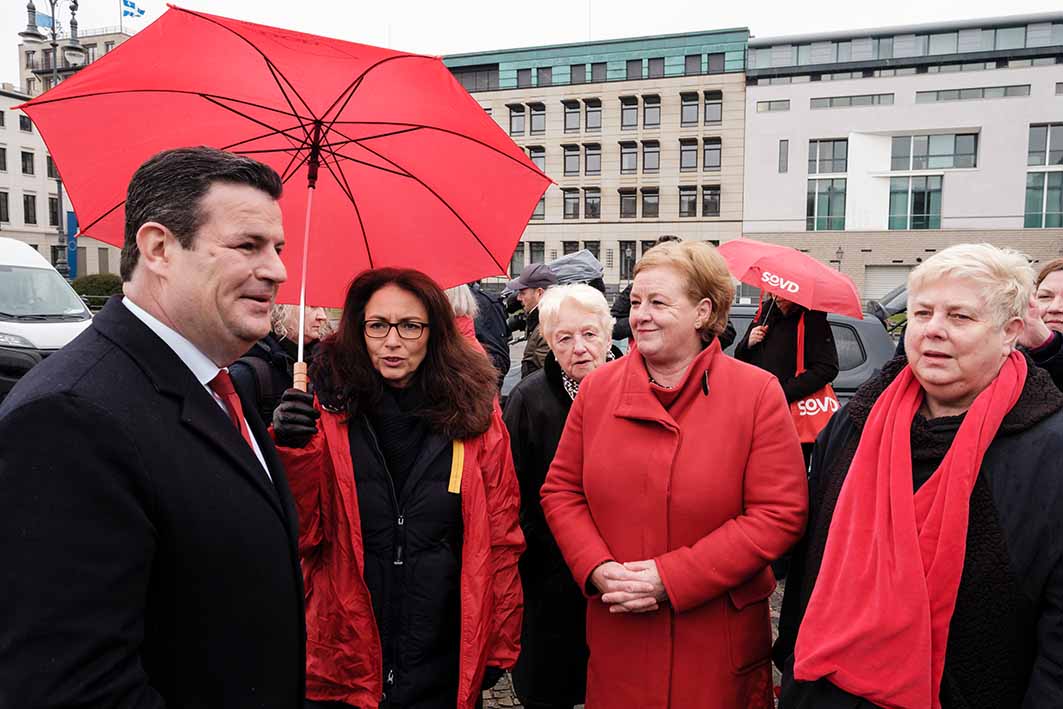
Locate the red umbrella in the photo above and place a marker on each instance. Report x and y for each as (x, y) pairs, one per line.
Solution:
(404, 167)
(793, 275)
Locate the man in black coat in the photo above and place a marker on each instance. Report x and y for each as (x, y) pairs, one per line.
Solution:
(146, 527)
(491, 329)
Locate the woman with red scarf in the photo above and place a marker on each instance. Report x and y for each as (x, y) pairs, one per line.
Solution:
(932, 572)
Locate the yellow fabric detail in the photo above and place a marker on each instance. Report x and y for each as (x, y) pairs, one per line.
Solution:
(457, 462)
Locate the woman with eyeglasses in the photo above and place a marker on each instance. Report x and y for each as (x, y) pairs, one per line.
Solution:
(401, 469)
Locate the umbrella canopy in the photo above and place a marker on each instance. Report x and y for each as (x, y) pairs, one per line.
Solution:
(413, 172)
(792, 275)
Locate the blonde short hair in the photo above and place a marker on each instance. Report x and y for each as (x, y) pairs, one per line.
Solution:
(462, 301)
(278, 320)
(1004, 276)
(580, 295)
(705, 273)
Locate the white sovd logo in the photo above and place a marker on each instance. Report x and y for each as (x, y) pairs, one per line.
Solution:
(779, 282)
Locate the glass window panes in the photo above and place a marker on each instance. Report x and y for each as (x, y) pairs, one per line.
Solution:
(934, 152)
(646, 246)
(592, 114)
(538, 156)
(945, 43)
(883, 48)
(717, 63)
(516, 262)
(714, 107)
(1038, 149)
(688, 201)
(1011, 38)
(711, 158)
(688, 155)
(634, 69)
(578, 73)
(523, 78)
(825, 205)
(826, 156)
(850, 353)
(24, 123)
(594, 247)
(5, 213)
(569, 247)
(915, 202)
(629, 113)
(629, 161)
(592, 203)
(49, 167)
(536, 251)
(692, 64)
(29, 209)
(688, 115)
(540, 209)
(651, 111)
(538, 118)
(571, 159)
(656, 66)
(1035, 197)
(710, 201)
(628, 204)
(784, 156)
(53, 211)
(592, 158)
(628, 256)
(804, 54)
(571, 202)
(3, 159)
(598, 71)
(901, 152)
(516, 120)
(571, 116)
(651, 156)
(651, 203)
(1044, 200)
(544, 76)
(27, 163)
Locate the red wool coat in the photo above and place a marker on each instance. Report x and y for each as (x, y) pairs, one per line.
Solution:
(343, 655)
(713, 489)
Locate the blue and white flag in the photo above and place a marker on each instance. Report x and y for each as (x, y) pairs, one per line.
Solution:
(130, 9)
(44, 20)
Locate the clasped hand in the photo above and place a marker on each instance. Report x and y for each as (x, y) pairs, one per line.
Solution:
(634, 587)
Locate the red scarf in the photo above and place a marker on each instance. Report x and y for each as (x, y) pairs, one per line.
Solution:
(877, 623)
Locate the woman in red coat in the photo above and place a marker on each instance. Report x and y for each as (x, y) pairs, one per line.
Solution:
(678, 480)
(408, 506)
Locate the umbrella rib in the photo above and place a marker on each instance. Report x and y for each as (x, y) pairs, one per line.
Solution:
(336, 154)
(253, 120)
(348, 141)
(293, 167)
(42, 100)
(356, 84)
(275, 131)
(445, 204)
(273, 72)
(100, 218)
(345, 187)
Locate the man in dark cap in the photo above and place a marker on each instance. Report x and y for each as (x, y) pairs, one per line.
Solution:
(530, 286)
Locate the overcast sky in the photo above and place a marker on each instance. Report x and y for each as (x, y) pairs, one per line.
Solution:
(435, 27)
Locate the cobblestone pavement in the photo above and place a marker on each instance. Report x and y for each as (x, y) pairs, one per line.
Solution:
(502, 697)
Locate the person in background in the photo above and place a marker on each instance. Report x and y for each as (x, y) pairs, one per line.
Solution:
(146, 527)
(266, 369)
(408, 505)
(529, 287)
(932, 571)
(551, 672)
(491, 329)
(1043, 334)
(677, 481)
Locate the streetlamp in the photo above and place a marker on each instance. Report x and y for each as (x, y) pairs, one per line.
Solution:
(838, 255)
(73, 54)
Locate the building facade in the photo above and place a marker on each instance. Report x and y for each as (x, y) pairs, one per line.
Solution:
(36, 60)
(872, 150)
(642, 137)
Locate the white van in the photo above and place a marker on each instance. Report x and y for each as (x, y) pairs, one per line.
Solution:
(39, 311)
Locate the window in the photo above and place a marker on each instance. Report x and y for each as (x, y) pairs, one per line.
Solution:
(711, 159)
(766, 106)
(3, 118)
(571, 153)
(31, 85)
(651, 156)
(1044, 200)
(651, 203)
(592, 159)
(571, 116)
(628, 255)
(627, 204)
(825, 206)
(716, 63)
(483, 77)
(827, 156)
(1011, 38)
(29, 209)
(516, 120)
(710, 201)
(850, 101)
(107, 46)
(53, 211)
(516, 262)
(634, 69)
(656, 67)
(844, 52)
(804, 54)
(5, 213)
(536, 251)
(27, 163)
(692, 64)
(1059, 89)
(647, 245)
(571, 203)
(24, 123)
(592, 203)
(29, 58)
(882, 48)
(934, 152)
(629, 113)
(103, 255)
(915, 202)
(594, 247)
(592, 114)
(523, 78)
(784, 156)
(538, 118)
(569, 247)
(537, 154)
(90, 53)
(943, 43)
(629, 158)
(850, 352)
(598, 71)
(688, 155)
(688, 115)
(578, 73)
(540, 209)
(651, 111)
(688, 201)
(1046, 143)
(713, 107)
(3, 159)
(971, 94)
(50, 167)
(544, 76)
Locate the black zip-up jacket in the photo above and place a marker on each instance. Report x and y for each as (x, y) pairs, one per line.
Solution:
(777, 352)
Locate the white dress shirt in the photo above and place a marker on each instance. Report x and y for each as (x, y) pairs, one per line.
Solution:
(203, 368)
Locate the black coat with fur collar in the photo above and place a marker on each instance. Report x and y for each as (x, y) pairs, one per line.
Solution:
(1005, 646)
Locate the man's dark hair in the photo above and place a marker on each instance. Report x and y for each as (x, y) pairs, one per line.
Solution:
(168, 188)
(665, 238)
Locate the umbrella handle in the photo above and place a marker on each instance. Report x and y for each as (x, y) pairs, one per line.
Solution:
(299, 378)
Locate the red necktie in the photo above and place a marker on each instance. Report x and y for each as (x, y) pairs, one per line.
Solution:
(222, 385)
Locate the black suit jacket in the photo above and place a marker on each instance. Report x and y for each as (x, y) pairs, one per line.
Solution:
(147, 560)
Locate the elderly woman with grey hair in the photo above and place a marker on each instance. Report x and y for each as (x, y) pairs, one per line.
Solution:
(552, 668)
(932, 572)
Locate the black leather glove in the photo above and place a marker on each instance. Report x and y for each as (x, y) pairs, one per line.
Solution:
(295, 419)
(491, 677)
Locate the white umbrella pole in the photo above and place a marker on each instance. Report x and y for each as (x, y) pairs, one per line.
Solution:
(300, 378)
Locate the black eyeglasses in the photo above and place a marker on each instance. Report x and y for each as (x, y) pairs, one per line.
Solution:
(407, 329)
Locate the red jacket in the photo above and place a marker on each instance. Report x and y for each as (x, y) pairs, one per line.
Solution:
(343, 652)
(713, 489)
